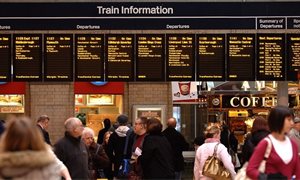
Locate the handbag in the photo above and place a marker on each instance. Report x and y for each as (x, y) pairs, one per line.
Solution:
(242, 175)
(214, 168)
(125, 164)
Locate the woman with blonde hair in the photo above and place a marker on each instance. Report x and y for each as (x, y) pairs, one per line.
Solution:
(207, 149)
(24, 154)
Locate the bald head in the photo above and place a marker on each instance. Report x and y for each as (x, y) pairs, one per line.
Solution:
(171, 122)
(72, 123)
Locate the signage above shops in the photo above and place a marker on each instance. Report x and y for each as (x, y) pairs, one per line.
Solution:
(248, 102)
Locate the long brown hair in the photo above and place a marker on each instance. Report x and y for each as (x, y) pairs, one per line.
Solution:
(259, 123)
(21, 135)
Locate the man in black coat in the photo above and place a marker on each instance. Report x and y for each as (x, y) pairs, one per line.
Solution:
(178, 144)
(42, 124)
(72, 151)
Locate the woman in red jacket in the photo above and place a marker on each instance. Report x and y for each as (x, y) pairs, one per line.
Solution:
(283, 161)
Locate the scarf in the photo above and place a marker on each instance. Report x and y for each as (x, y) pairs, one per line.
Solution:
(211, 140)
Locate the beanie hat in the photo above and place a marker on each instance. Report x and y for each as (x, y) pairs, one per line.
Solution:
(122, 119)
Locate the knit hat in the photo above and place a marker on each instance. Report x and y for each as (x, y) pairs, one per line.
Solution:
(296, 120)
(122, 119)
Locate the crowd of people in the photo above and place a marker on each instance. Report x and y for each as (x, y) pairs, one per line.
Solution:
(26, 151)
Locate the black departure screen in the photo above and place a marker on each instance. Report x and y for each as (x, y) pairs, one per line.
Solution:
(150, 59)
(241, 57)
(211, 57)
(27, 57)
(271, 60)
(58, 49)
(119, 57)
(5, 54)
(180, 57)
(293, 57)
(89, 64)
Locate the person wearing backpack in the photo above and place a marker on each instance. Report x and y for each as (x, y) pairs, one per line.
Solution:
(116, 144)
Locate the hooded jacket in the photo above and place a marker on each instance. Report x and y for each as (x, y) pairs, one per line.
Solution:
(29, 165)
(116, 145)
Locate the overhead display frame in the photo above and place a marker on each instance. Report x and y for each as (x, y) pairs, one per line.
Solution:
(35, 57)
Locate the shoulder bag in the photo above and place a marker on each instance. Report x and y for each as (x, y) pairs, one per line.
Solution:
(242, 175)
(125, 164)
(214, 168)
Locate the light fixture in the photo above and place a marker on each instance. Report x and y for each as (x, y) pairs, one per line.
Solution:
(245, 85)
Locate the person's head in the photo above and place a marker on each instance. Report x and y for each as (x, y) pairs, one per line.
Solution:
(280, 119)
(106, 123)
(106, 137)
(297, 123)
(213, 132)
(21, 134)
(154, 126)
(122, 120)
(171, 122)
(88, 136)
(259, 123)
(140, 125)
(43, 120)
(74, 127)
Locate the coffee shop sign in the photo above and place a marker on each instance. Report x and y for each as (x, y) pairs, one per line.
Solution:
(253, 101)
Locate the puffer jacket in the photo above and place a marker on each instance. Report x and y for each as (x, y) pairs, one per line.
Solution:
(29, 165)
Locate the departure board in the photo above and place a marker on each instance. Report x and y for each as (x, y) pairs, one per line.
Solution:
(89, 64)
(27, 57)
(271, 57)
(5, 55)
(150, 59)
(241, 57)
(58, 62)
(211, 57)
(119, 57)
(293, 57)
(180, 57)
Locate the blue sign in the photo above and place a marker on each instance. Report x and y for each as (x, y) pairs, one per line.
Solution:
(99, 83)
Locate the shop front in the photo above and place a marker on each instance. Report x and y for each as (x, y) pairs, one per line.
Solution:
(238, 107)
(12, 99)
(232, 103)
(95, 101)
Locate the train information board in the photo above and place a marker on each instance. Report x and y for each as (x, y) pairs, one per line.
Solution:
(5, 54)
(180, 54)
(89, 62)
(27, 57)
(293, 56)
(150, 57)
(241, 57)
(58, 62)
(119, 57)
(271, 57)
(211, 57)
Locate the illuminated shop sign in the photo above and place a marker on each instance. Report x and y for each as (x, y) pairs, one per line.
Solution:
(253, 102)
